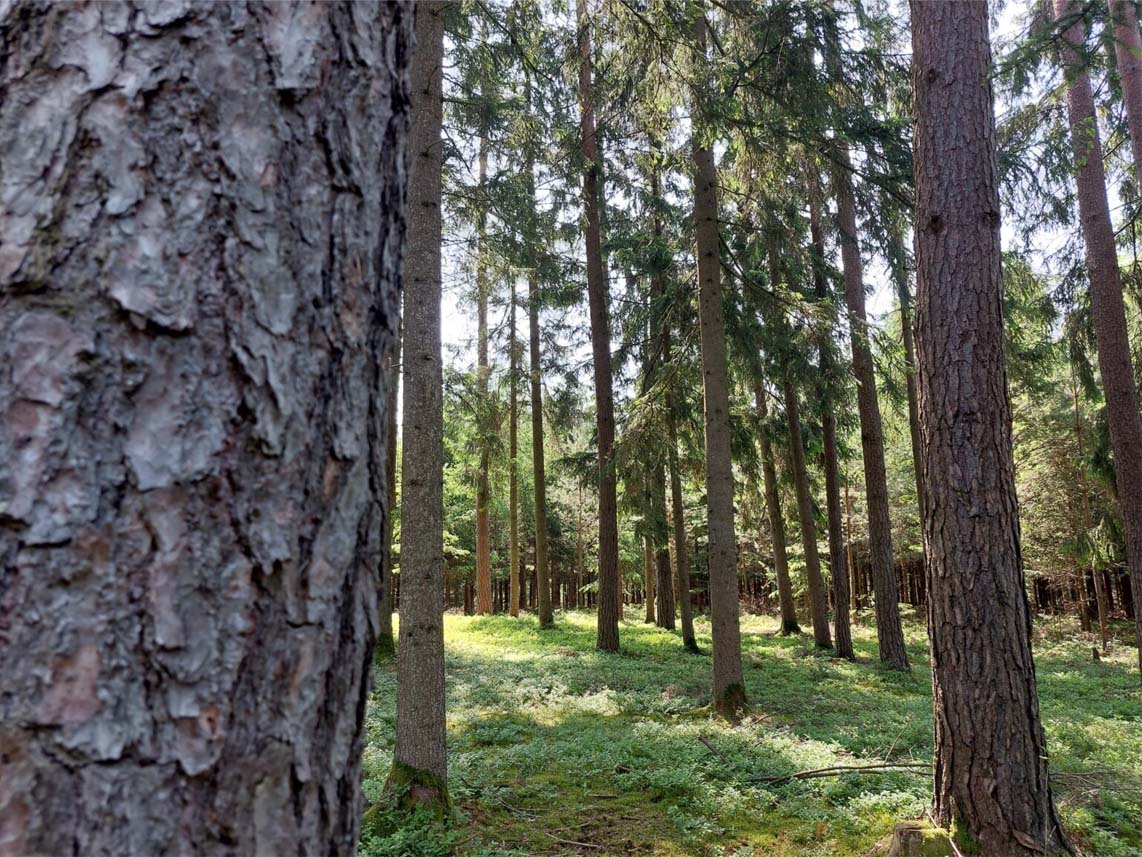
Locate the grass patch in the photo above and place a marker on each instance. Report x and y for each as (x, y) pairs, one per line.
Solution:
(555, 748)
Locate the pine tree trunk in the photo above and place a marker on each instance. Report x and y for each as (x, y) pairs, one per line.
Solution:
(199, 253)
(649, 572)
(1128, 53)
(610, 601)
(543, 579)
(419, 757)
(890, 634)
(386, 646)
(678, 516)
(729, 688)
(579, 550)
(837, 565)
(1114, 358)
(483, 373)
(904, 295)
(513, 458)
(789, 624)
(818, 598)
(990, 757)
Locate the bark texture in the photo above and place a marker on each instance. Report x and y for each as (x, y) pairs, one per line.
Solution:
(678, 522)
(419, 758)
(889, 633)
(789, 624)
(200, 245)
(729, 689)
(1114, 359)
(609, 582)
(990, 755)
(818, 598)
(904, 295)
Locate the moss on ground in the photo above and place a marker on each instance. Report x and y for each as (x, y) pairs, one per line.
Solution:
(555, 749)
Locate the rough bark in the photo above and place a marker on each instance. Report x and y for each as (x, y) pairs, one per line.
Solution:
(386, 645)
(610, 602)
(837, 565)
(1114, 358)
(1128, 53)
(889, 633)
(542, 571)
(513, 457)
(729, 688)
(420, 761)
(203, 220)
(789, 624)
(483, 373)
(818, 597)
(990, 755)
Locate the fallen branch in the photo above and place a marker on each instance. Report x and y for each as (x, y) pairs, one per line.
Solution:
(839, 770)
(573, 842)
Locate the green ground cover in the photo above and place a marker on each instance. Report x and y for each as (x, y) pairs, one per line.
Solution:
(557, 749)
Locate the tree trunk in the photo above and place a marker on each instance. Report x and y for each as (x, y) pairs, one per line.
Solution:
(904, 295)
(420, 760)
(1128, 53)
(829, 377)
(818, 599)
(483, 372)
(579, 550)
(990, 758)
(610, 602)
(386, 646)
(192, 472)
(513, 457)
(890, 634)
(543, 581)
(729, 688)
(649, 572)
(785, 601)
(678, 516)
(1114, 358)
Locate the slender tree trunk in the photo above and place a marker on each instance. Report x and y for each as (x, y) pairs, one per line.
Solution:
(483, 372)
(678, 516)
(818, 599)
(829, 377)
(729, 687)
(513, 457)
(543, 581)
(190, 533)
(904, 295)
(610, 601)
(579, 550)
(1114, 358)
(785, 601)
(890, 634)
(663, 587)
(1128, 53)
(991, 758)
(419, 757)
(386, 646)
(649, 573)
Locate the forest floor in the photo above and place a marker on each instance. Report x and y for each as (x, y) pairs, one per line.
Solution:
(555, 749)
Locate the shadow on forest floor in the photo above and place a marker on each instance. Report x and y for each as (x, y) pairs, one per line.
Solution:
(557, 749)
